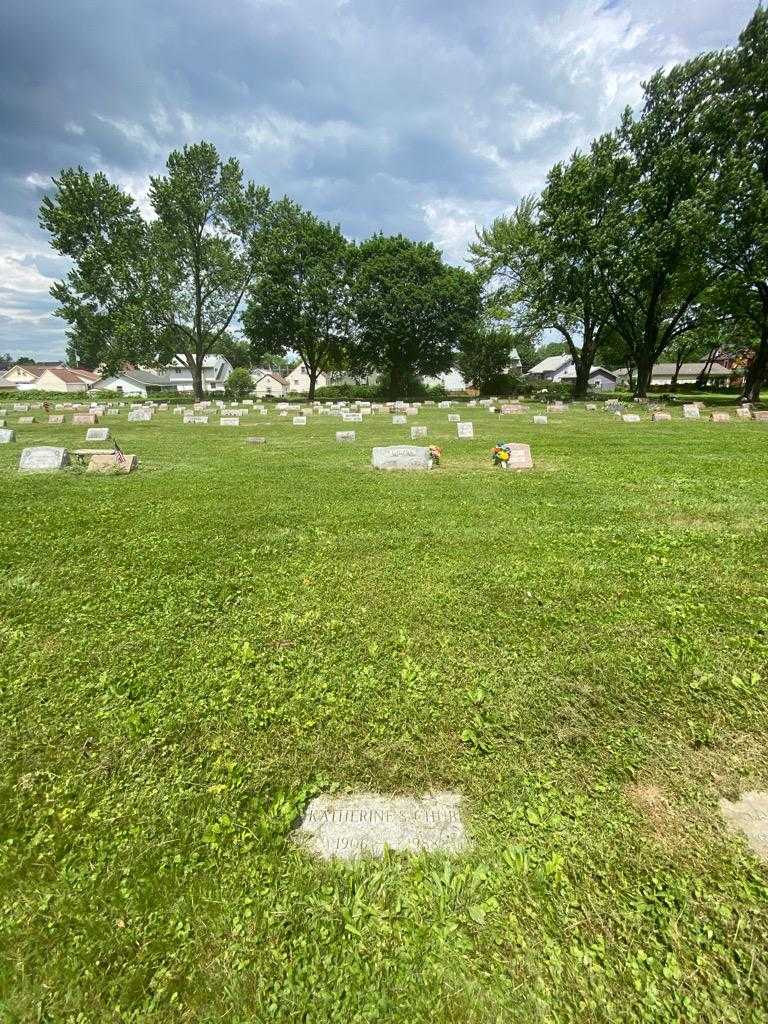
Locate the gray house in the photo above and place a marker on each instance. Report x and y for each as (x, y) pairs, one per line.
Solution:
(562, 369)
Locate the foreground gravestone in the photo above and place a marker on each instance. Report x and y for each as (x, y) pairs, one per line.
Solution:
(7, 436)
(367, 824)
(345, 435)
(112, 462)
(403, 456)
(418, 432)
(519, 456)
(465, 431)
(749, 816)
(43, 460)
(97, 434)
(140, 416)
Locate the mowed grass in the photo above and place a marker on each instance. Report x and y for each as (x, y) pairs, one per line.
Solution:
(190, 653)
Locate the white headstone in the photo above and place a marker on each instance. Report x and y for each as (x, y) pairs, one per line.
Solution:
(691, 412)
(140, 415)
(345, 435)
(299, 421)
(403, 456)
(465, 431)
(43, 460)
(541, 421)
(399, 421)
(631, 417)
(454, 417)
(366, 824)
(418, 432)
(7, 436)
(97, 434)
(229, 421)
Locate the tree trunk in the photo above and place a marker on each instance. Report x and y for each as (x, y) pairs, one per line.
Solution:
(757, 371)
(583, 370)
(396, 385)
(313, 375)
(644, 375)
(197, 378)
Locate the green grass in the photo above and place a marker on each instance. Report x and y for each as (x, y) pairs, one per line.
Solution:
(190, 653)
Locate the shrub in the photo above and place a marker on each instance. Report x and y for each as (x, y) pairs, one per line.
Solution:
(239, 384)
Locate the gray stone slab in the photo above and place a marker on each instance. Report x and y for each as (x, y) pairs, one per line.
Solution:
(140, 416)
(229, 421)
(55, 421)
(661, 417)
(345, 435)
(43, 459)
(7, 436)
(97, 434)
(26, 419)
(256, 440)
(519, 456)
(401, 456)
(84, 419)
(540, 421)
(365, 824)
(465, 430)
(691, 412)
(749, 817)
(399, 421)
(418, 432)
(453, 417)
(299, 421)
(631, 417)
(352, 417)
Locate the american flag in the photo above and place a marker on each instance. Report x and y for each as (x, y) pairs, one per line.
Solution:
(118, 453)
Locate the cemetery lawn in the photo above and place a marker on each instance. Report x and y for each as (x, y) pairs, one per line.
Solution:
(191, 653)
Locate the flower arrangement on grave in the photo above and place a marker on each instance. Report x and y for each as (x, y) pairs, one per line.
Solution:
(500, 455)
(435, 453)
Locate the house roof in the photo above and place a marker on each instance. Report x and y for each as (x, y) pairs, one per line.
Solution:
(550, 364)
(595, 370)
(36, 369)
(258, 375)
(142, 377)
(67, 376)
(210, 361)
(690, 369)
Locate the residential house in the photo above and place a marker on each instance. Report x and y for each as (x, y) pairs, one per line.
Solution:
(267, 384)
(136, 383)
(66, 379)
(451, 381)
(298, 380)
(216, 370)
(561, 369)
(23, 376)
(663, 373)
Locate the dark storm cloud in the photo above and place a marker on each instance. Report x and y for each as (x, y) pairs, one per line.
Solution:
(425, 116)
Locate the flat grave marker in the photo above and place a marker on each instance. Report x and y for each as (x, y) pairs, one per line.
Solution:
(365, 824)
(749, 816)
(43, 459)
(404, 456)
(465, 431)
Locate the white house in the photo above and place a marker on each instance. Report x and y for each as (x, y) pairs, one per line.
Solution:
(663, 373)
(562, 369)
(134, 382)
(267, 384)
(298, 380)
(451, 381)
(216, 370)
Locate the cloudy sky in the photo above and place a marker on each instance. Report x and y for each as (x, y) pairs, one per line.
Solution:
(422, 116)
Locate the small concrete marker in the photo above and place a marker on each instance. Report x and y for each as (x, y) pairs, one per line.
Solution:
(749, 817)
(366, 824)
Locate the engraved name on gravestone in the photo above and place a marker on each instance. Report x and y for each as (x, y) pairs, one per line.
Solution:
(43, 459)
(749, 816)
(405, 456)
(366, 824)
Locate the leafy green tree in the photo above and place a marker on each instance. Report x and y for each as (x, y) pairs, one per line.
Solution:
(485, 355)
(142, 290)
(237, 351)
(411, 309)
(300, 298)
(239, 384)
(742, 241)
(544, 256)
(662, 197)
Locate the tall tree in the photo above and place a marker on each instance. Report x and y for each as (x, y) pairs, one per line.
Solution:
(742, 249)
(141, 290)
(484, 356)
(411, 309)
(300, 298)
(662, 196)
(545, 259)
